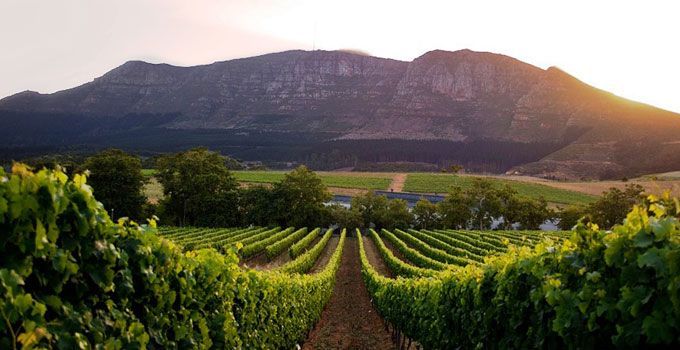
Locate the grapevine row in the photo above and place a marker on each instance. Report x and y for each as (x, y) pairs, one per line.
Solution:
(396, 265)
(304, 262)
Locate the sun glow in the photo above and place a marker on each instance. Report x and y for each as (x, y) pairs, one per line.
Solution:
(625, 47)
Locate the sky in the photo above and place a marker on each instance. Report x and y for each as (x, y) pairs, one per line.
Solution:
(630, 48)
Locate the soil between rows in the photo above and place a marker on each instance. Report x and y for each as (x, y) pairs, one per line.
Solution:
(349, 320)
(396, 251)
(375, 259)
(322, 260)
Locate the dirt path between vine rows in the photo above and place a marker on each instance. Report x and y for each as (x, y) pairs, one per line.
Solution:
(261, 262)
(398, 182)
(322, 260)
(349, 320)
(396, 251)
(375, 259)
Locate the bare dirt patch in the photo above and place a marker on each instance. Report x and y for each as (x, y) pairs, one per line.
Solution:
(398, 182)
(255, 262)
(260, 262)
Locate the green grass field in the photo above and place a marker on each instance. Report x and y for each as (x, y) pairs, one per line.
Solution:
(415, 182)
(360, 181)
(440, 183)
(149, 172)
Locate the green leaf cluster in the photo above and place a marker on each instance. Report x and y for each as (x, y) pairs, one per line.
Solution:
(72, 278)
(277, 309)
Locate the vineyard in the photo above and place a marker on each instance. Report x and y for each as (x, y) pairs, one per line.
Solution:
(72, 278)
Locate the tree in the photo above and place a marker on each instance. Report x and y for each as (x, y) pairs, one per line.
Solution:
(255, 205)
(380, 212)
(511, 206)
(370, 208)
(425, 215)
(344, 217)
(455, 169)
(485, 203)
(533, 213)
(68, 163)
(300, 198)
(613, 206)
(569, 216)
(198, 188)
(233, 164)
(528, 213)
(117, 181)
(454, 210)
(395, 215)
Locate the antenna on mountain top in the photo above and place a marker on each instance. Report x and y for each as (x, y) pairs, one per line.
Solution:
(314, 38)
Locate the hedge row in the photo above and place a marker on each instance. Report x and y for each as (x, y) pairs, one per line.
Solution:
(470, 241)
(277, 309)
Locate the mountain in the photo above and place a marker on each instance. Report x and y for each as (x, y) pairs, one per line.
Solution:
(334, 108)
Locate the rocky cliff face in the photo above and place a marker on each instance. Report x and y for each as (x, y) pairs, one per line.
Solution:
(461, 96)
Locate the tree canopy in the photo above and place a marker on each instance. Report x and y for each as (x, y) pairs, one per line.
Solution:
(199, 189)
(300, 198)
(611, 208)
(117, 180)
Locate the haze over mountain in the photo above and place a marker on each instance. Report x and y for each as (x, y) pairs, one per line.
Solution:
(486, 111)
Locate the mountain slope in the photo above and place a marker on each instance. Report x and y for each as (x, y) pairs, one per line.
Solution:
(293, 104)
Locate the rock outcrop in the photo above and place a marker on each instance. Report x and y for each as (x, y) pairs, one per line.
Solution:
(461, 96)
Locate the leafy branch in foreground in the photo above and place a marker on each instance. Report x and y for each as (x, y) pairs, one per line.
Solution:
(72, 278)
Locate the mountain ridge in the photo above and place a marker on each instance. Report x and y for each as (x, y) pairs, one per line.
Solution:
(458, 96)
